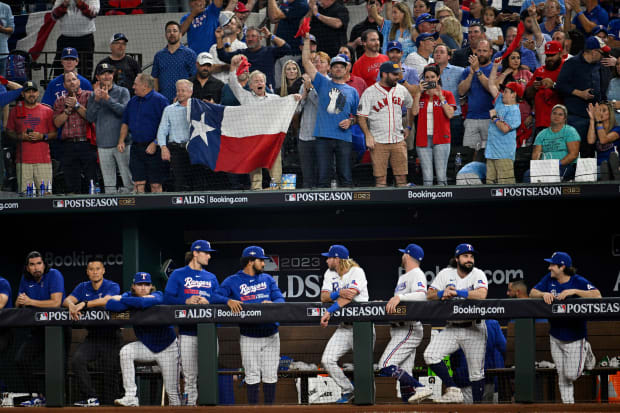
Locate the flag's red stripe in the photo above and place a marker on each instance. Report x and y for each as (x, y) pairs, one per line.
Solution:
(243, 155)
(42, 35)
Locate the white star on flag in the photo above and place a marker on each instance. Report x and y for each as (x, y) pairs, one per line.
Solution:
(201, 129)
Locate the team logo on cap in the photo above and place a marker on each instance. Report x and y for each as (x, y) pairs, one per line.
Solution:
(143, 275)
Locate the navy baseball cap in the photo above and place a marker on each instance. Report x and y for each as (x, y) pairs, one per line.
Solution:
(596, 43)
(425, 18)
(337, 251)
(464, 249)
(117, 37)
(254, 252)
(30, 85)
(415, 251)
(394, 44)
(389, 67)
(345, 57)
(425, 36)
(201, 245)
(104, 67)
(69, 53)
(142, 278)
(337, 60)
(560, 258)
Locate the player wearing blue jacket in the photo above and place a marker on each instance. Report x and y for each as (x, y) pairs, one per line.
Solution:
(157, 344)
(40, 287)
(192, 285)
(570, 350)
(260, 343)
(101, 343)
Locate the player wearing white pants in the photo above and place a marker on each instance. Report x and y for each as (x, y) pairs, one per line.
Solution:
(260, 357)
(460, 280)
(570, 350)
(344, 282)
(399, 354)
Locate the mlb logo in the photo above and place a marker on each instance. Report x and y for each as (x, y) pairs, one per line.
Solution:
(42, 316)
(497, 192)
(59, 203)
(290, 197)
(313, 312)
(559, 309)
(180, 314)
(177, 200)
(272, 263)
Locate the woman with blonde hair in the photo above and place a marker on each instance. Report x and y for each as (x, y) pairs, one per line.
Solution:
(604, 133)
(451, 33)
(291, 78)
(399, 26)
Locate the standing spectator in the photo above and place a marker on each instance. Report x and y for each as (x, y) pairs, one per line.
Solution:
(565, 41)
(200, 24)
(450, 79)
(335, 115)
(77, 28)
(480, 102)
(32, 124)
(141, 118)
(613, 92)
(261, 58)
(127, 68)
(287, 16)
(291, 79)
(39, 287)
(603, 132)
(382, 124)
(172, 63)
(355, 39)
(586, 21)
(355, 82)
(329, 24)
(494, 34)
(502, 136)
(205, 86)
(56, 87)
(423, 56)
(7, 26)
(451, 33)
(367, 66)
(434, 108)
(553, 18)
(528, 57)
(80, 155)
(396, 26)
(580, 83)
(231, 26)
(426, 23)
(420, 7)
(242, 13)
(475, 35)
(105, 109)
(533, 39)
(173, 136)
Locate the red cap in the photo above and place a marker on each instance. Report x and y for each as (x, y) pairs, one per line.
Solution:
(240, 8)
(517, 88)
(553, 47)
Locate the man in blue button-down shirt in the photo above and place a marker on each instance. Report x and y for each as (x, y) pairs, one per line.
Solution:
(7, 26)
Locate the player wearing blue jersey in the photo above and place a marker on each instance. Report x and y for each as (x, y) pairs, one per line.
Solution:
(157, 343)
(40, 287)
(260, 343)
(570, 350)
(101, 343)
(192, 285)
(6, 334)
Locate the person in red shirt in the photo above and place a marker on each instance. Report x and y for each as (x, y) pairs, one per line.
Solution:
(541, 87)
(355, 82)
(367, 66)
(32, 125)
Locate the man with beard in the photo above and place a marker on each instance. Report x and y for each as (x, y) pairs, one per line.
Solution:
(528, 57)
(260, 343)
(473, 84)
(541, 87)
(172, 63)
(230, 30)
(355, 38)
(31, 123)
(200, 24)
(475, 33)
(382, 124)
(367, 66)
(461, 280)
(206, 87)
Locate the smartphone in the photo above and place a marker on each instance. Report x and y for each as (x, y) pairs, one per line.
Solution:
(538, 78)
(29, 131)
(431, 85)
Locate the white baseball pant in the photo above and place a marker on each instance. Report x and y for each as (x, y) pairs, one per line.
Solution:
(472, 340)
(400, 351)
(260, 357)
(569, 358)
(167, 360)
(189, 365)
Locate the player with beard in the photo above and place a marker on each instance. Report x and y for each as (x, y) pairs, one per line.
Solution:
(541, 87)
(460, 280)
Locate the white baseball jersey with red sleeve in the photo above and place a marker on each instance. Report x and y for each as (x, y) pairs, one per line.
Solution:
(384, 110)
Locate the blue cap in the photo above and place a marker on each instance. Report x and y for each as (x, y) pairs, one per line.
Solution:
(424, 36)
(69, 53)
(389, 67)
(345, 57)
(560, 258)
(425, 18)
(394, 44)
(254, 252)
(201, 245)
(337, 251)
(464, 249)
(312, 38)
(592, 43)
(336, 60)
(142, 277)
(415, 251)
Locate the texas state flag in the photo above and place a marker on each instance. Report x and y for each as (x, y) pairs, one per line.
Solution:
(238, 139)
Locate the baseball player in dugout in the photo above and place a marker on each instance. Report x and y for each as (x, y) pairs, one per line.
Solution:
(570, 350)
(405, 336)
(155, 343)
(260, 343)
(102, 343)
(344, 282)
(459, 280)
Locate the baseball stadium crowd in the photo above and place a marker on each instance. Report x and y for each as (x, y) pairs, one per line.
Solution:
(414, 82)
(473, 345)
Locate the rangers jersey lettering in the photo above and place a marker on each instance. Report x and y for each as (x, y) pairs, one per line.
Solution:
(355, 278)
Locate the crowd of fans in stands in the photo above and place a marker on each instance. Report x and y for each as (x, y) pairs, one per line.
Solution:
(553, 96)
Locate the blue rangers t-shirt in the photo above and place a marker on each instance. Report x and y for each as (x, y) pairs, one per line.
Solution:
(250, 290)
(186, 282)
(51, 282)
(201, 33)
(565, 330)
(337, 102)
(5, 288)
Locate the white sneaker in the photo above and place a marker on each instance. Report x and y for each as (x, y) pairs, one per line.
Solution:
(452, 395)
(127, 401)
(420, 394)
(590, 358)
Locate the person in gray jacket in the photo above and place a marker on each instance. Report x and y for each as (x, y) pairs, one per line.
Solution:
(105, 110)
